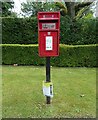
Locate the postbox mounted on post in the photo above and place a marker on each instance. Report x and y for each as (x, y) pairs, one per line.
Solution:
(48, 33)
(48, 39)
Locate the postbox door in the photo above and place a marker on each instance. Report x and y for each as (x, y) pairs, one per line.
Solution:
(48, 43)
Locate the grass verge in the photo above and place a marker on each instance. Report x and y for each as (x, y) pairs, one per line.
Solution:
(74, 92)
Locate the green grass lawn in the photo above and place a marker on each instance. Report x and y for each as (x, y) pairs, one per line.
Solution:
(74, 92)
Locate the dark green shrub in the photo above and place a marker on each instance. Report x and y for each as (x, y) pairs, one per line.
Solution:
(25, 31)
(70, 56)
(79, 32)
(19, 31)
(77, 56)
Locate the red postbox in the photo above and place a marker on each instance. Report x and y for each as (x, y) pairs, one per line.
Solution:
(48, 33)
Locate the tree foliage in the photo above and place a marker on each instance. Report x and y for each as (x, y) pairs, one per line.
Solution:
(31, 8)
(6, 8)
(75, 10)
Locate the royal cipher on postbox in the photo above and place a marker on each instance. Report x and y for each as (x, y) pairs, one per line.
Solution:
(48, 33)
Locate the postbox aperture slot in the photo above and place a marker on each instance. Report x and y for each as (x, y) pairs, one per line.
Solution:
(48, 26)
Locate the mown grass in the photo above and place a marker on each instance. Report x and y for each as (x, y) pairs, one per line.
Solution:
(74, 92)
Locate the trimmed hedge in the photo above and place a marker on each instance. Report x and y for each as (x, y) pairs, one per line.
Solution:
(25, 31)
(70, 56)
(19, 31)
(80, 32)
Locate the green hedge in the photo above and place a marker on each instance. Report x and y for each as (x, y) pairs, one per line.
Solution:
(70, 56)
(19, 31)
(25, 31)
(80, 32)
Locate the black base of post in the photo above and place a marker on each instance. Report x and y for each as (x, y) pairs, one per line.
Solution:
(48, 99)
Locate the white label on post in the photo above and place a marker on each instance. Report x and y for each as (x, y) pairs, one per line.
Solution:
(48, 89)
(49, 42)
